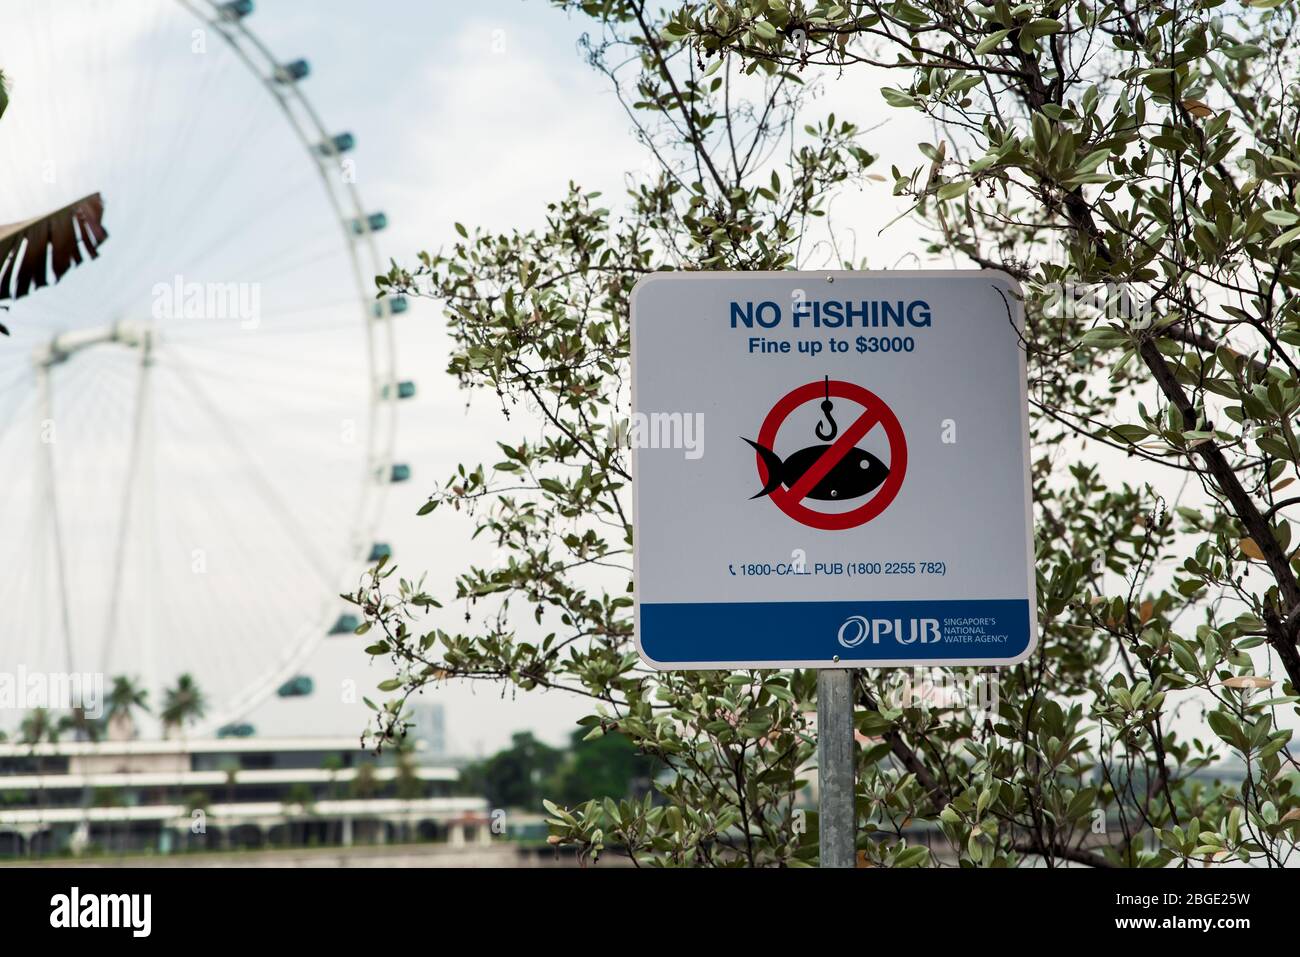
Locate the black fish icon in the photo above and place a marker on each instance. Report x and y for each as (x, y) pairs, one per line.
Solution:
(856, 474)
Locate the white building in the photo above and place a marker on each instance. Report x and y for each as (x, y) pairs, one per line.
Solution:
(165, 796)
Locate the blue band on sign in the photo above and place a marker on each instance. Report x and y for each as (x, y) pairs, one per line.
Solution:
(780, 632)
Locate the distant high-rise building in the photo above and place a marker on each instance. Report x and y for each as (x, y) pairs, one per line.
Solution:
(429, 719)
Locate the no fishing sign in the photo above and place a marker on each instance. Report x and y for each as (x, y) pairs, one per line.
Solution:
(831, 470)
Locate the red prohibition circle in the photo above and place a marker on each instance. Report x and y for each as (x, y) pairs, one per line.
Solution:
(875, 412)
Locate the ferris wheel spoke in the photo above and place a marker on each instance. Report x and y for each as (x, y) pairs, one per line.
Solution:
(20, 591)
(238, 231)
(126, 149)
(297, 460)
(210, 199)
(261, 484)
(263, 265)
(216, 64)
(238, 622)
(333, 316)
(9, 419)
(273, 371)
(297, 468)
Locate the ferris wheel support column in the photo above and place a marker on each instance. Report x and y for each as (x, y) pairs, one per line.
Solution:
(46, 407)
(145, 344)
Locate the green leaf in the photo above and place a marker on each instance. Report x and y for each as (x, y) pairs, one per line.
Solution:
(1289, 236)
(1184, 655)
(1242, 51)
(990, 41)
(1225, 727)
(912, 856)
(1043, 27)
(1030, 33)
(898, 98)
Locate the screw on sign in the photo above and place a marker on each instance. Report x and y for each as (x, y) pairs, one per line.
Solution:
(837, 470)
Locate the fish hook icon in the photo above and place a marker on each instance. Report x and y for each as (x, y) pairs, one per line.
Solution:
(832, 429)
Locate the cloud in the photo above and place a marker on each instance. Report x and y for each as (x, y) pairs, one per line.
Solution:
(514, 116)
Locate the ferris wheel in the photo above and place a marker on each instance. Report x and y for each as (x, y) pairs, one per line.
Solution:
(197, 427)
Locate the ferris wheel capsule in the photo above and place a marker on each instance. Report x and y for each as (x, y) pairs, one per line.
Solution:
(235, 9)
(369, 224)
(335, 145)
(346, 625)
(292, 71)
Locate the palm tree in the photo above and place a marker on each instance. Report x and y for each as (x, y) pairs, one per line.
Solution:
(83, 728)
(299, 800)
(333, 763)
(230, 768)
(37, 252)
(126, 696)
(112, 798)
(38, 726)
(363, 782)
(182, 705)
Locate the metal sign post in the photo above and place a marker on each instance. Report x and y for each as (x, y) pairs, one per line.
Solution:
(835, 777)
(831, 471)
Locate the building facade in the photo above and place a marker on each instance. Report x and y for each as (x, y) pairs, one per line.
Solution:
(224, 794)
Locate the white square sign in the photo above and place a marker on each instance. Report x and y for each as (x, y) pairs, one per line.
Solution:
(831, 470)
